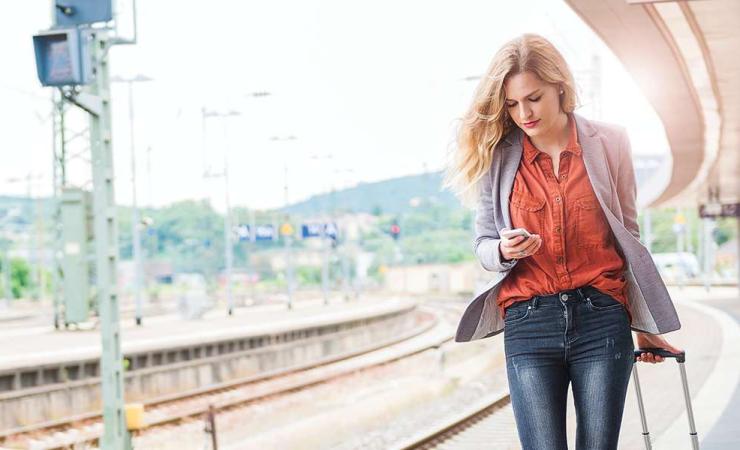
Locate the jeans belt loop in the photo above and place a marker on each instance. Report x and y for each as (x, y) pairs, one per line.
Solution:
(535, 302)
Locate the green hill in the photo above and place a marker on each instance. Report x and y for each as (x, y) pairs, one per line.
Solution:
(388, 196)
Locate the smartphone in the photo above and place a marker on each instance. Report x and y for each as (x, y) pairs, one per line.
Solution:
(515, 232)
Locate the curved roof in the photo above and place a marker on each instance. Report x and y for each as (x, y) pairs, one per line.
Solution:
(685, 56)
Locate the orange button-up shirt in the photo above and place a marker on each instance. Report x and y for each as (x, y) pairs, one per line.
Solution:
(578, 247)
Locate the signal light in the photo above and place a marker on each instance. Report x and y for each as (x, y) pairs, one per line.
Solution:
(395, 231)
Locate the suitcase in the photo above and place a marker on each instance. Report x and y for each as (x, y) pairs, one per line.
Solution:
(680, 359)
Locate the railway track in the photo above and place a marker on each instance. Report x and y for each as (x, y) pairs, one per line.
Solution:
(487, 424)
(80, 431)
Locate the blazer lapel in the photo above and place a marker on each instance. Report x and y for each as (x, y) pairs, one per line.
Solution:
(511, 155)
(594, 159)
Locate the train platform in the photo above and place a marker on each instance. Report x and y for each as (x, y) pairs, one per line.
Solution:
(718, 401)
(709, 335)
(42, 345)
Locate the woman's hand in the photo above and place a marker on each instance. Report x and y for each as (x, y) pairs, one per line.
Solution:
(652, 340)
(519, 247)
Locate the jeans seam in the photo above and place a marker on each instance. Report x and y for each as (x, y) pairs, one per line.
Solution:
(566, 345)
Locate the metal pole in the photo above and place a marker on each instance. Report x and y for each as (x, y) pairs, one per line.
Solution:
(707, 252)
(149, 175)
(325, 243)
(251, 248)
(643, 420)
(211, 426)
(285, 183)
(228, 246)
(135, 209)
(689, 411)
(345, 271)
(228, 243)
(680, 249)
(58, 183)
(115, 435)
(288, 243)
(687, 234)
(333, 250)
(289, 267)
(7, 288)
(204, 149)
(32, 241)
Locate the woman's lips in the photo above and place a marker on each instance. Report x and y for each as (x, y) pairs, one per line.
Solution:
(531, 124)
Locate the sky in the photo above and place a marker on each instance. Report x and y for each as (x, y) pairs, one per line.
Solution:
(359, 92)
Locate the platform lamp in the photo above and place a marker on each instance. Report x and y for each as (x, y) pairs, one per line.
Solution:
(286, 230)
(228, 243)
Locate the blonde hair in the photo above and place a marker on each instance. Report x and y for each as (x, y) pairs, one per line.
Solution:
(487, 120)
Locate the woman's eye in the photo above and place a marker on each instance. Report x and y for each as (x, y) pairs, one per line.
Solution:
(511, 105)
(535, 99)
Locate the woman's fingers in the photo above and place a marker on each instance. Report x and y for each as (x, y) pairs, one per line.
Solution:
(529, 247)
(520, 246)
(508, 246)
(516, 240)
(655, 341)
(536, 242)
(525, 248)
(528, 244)
(650, 358)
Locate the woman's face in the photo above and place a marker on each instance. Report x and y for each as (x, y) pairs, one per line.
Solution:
(532, 104)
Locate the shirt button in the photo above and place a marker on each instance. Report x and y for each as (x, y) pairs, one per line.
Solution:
(557, 229)
(557, 199)
(560, 259)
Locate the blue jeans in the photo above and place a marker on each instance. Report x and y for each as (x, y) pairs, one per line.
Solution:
(581, 336)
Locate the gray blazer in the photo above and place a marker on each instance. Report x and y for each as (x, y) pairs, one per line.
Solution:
(607, 156)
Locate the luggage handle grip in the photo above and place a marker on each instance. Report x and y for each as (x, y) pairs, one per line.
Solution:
(680, 357)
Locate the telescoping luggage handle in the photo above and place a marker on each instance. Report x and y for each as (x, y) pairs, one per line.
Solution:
(680, 359)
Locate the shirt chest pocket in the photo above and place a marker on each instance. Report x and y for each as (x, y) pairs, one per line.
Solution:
(528, 212)
(592, 230)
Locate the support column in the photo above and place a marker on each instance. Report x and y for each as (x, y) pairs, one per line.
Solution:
(116, 435)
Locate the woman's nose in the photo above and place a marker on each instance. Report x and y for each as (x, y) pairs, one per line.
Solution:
(524, 112)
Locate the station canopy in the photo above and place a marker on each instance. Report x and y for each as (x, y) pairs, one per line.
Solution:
(685, 56)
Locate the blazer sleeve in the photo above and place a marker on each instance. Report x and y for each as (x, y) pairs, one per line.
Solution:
(487, 240)
(627, 186)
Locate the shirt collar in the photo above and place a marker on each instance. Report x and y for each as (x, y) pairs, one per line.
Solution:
(531, 152)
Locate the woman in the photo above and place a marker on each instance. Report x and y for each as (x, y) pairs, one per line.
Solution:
(568, 295)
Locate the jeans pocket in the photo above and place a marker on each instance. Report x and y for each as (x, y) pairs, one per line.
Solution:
(516, 312)
(602, 302)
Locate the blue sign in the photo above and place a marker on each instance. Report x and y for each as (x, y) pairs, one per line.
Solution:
(314, 230)
(62, 57)
(262, 232)
(77, 12)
